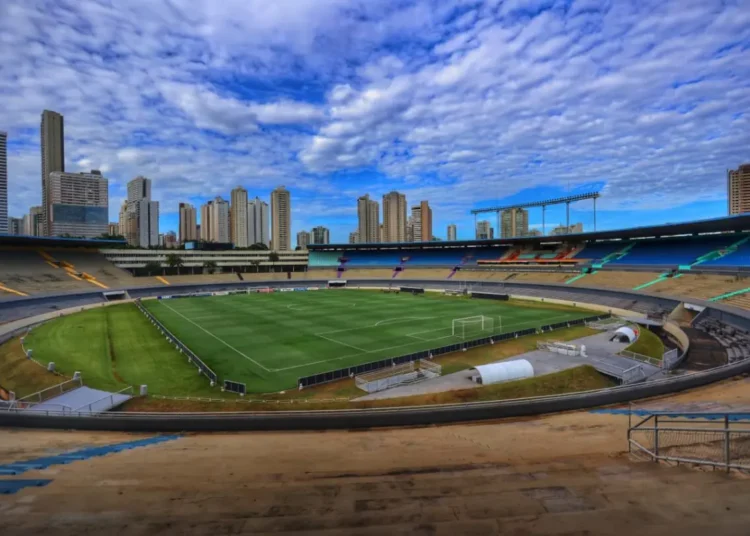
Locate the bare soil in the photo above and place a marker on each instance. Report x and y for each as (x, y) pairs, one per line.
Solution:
(566, 474)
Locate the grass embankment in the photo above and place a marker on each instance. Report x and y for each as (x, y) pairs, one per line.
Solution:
(583, 378)
(114, 347)
(648, 344)
(21, 375)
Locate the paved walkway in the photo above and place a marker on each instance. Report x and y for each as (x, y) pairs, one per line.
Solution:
(601, 353)
(84, 400)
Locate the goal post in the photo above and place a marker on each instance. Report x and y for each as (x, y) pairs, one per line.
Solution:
(472, 325)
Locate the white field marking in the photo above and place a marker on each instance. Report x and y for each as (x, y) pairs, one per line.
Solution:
(341, 343)
(225, 343)
(506, 326)
(296, 307)
(392, 320)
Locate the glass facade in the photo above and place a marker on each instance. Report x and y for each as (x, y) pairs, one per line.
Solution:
(77, 214)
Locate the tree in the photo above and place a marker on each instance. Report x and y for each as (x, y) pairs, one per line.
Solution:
(174, 261)
(258, 246)
(274, 258)
(152, 266)
(209, 267)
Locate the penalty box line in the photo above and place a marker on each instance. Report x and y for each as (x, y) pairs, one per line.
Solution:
(225, 343)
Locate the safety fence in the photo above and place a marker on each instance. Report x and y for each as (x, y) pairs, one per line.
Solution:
(715, 439)
(347, 372)
(640, 357)
(46, 394)
(192, 358)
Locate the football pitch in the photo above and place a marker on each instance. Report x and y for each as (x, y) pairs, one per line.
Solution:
(268, 341)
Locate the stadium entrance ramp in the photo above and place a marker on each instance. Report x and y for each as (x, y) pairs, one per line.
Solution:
(81, 400)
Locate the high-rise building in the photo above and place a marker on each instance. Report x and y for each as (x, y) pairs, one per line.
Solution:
(410, 229)
(320, 235)
(381, 233)
(170, 239)
(303, 239)
(113, 229)
(514, 222)
(78, 204)
(563, 230)
(239, 220)
(15, 226)
(257, 222)
(421, 216)
(484, 230)
(188, 223)
(354, 237)
(53, 159)
(368, 215)
(34, 226)
(738, 190)
(3, 182)
(281, 219)
(394, 217)
(452, 231)
(144, 211)
(215, 221)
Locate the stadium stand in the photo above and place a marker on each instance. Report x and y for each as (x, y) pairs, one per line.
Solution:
(615, 279)
(94, 266)
(599, 251)
(26, 271)
(739, 255)
(740, 300)
(702, 286)
(674, 251)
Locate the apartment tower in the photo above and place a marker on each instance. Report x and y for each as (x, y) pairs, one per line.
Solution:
(53, 159)
(281, 219)
(368, 216)
(394, 217)
(452, 231)
(421, 216)
(78, 204)
(188, 223)
(239, 221)
(3, 182)
(738, 190)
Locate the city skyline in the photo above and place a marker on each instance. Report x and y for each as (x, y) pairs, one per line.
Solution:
(335, 99)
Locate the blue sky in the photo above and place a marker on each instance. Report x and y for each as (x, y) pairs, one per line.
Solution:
(465, 103)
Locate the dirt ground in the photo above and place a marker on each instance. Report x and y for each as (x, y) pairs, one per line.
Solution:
(566, 474)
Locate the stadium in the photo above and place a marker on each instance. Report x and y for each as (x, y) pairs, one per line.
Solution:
(120, 342)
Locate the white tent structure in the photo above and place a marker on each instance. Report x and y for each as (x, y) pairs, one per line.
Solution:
(503, 371)
(624, 334)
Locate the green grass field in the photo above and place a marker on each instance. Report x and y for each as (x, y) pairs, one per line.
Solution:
(268, 341)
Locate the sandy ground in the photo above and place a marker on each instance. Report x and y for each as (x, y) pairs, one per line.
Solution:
(566, 474)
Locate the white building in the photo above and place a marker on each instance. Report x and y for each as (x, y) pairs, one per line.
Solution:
(78, 204)
(215, 221)
(257, 222)
(3, 183)
(145, 231)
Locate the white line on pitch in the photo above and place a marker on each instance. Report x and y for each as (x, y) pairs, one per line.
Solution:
(225, 343)
(402, 318)
(341, 343)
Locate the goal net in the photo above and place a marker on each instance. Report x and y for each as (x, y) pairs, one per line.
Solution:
(472, 325)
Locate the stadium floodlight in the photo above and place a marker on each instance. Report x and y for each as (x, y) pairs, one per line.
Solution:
(463, 327)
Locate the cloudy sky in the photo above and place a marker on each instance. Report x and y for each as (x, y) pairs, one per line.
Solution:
(466, 103)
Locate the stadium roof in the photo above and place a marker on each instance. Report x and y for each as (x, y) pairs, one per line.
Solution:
(55, 241)
(716, 225)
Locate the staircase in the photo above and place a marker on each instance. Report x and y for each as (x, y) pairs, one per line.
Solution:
(717, 254)
(616, 256)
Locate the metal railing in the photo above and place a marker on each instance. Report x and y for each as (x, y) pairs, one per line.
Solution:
(45, 394)
(109, 396)
(640, 357)
(713, 439)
